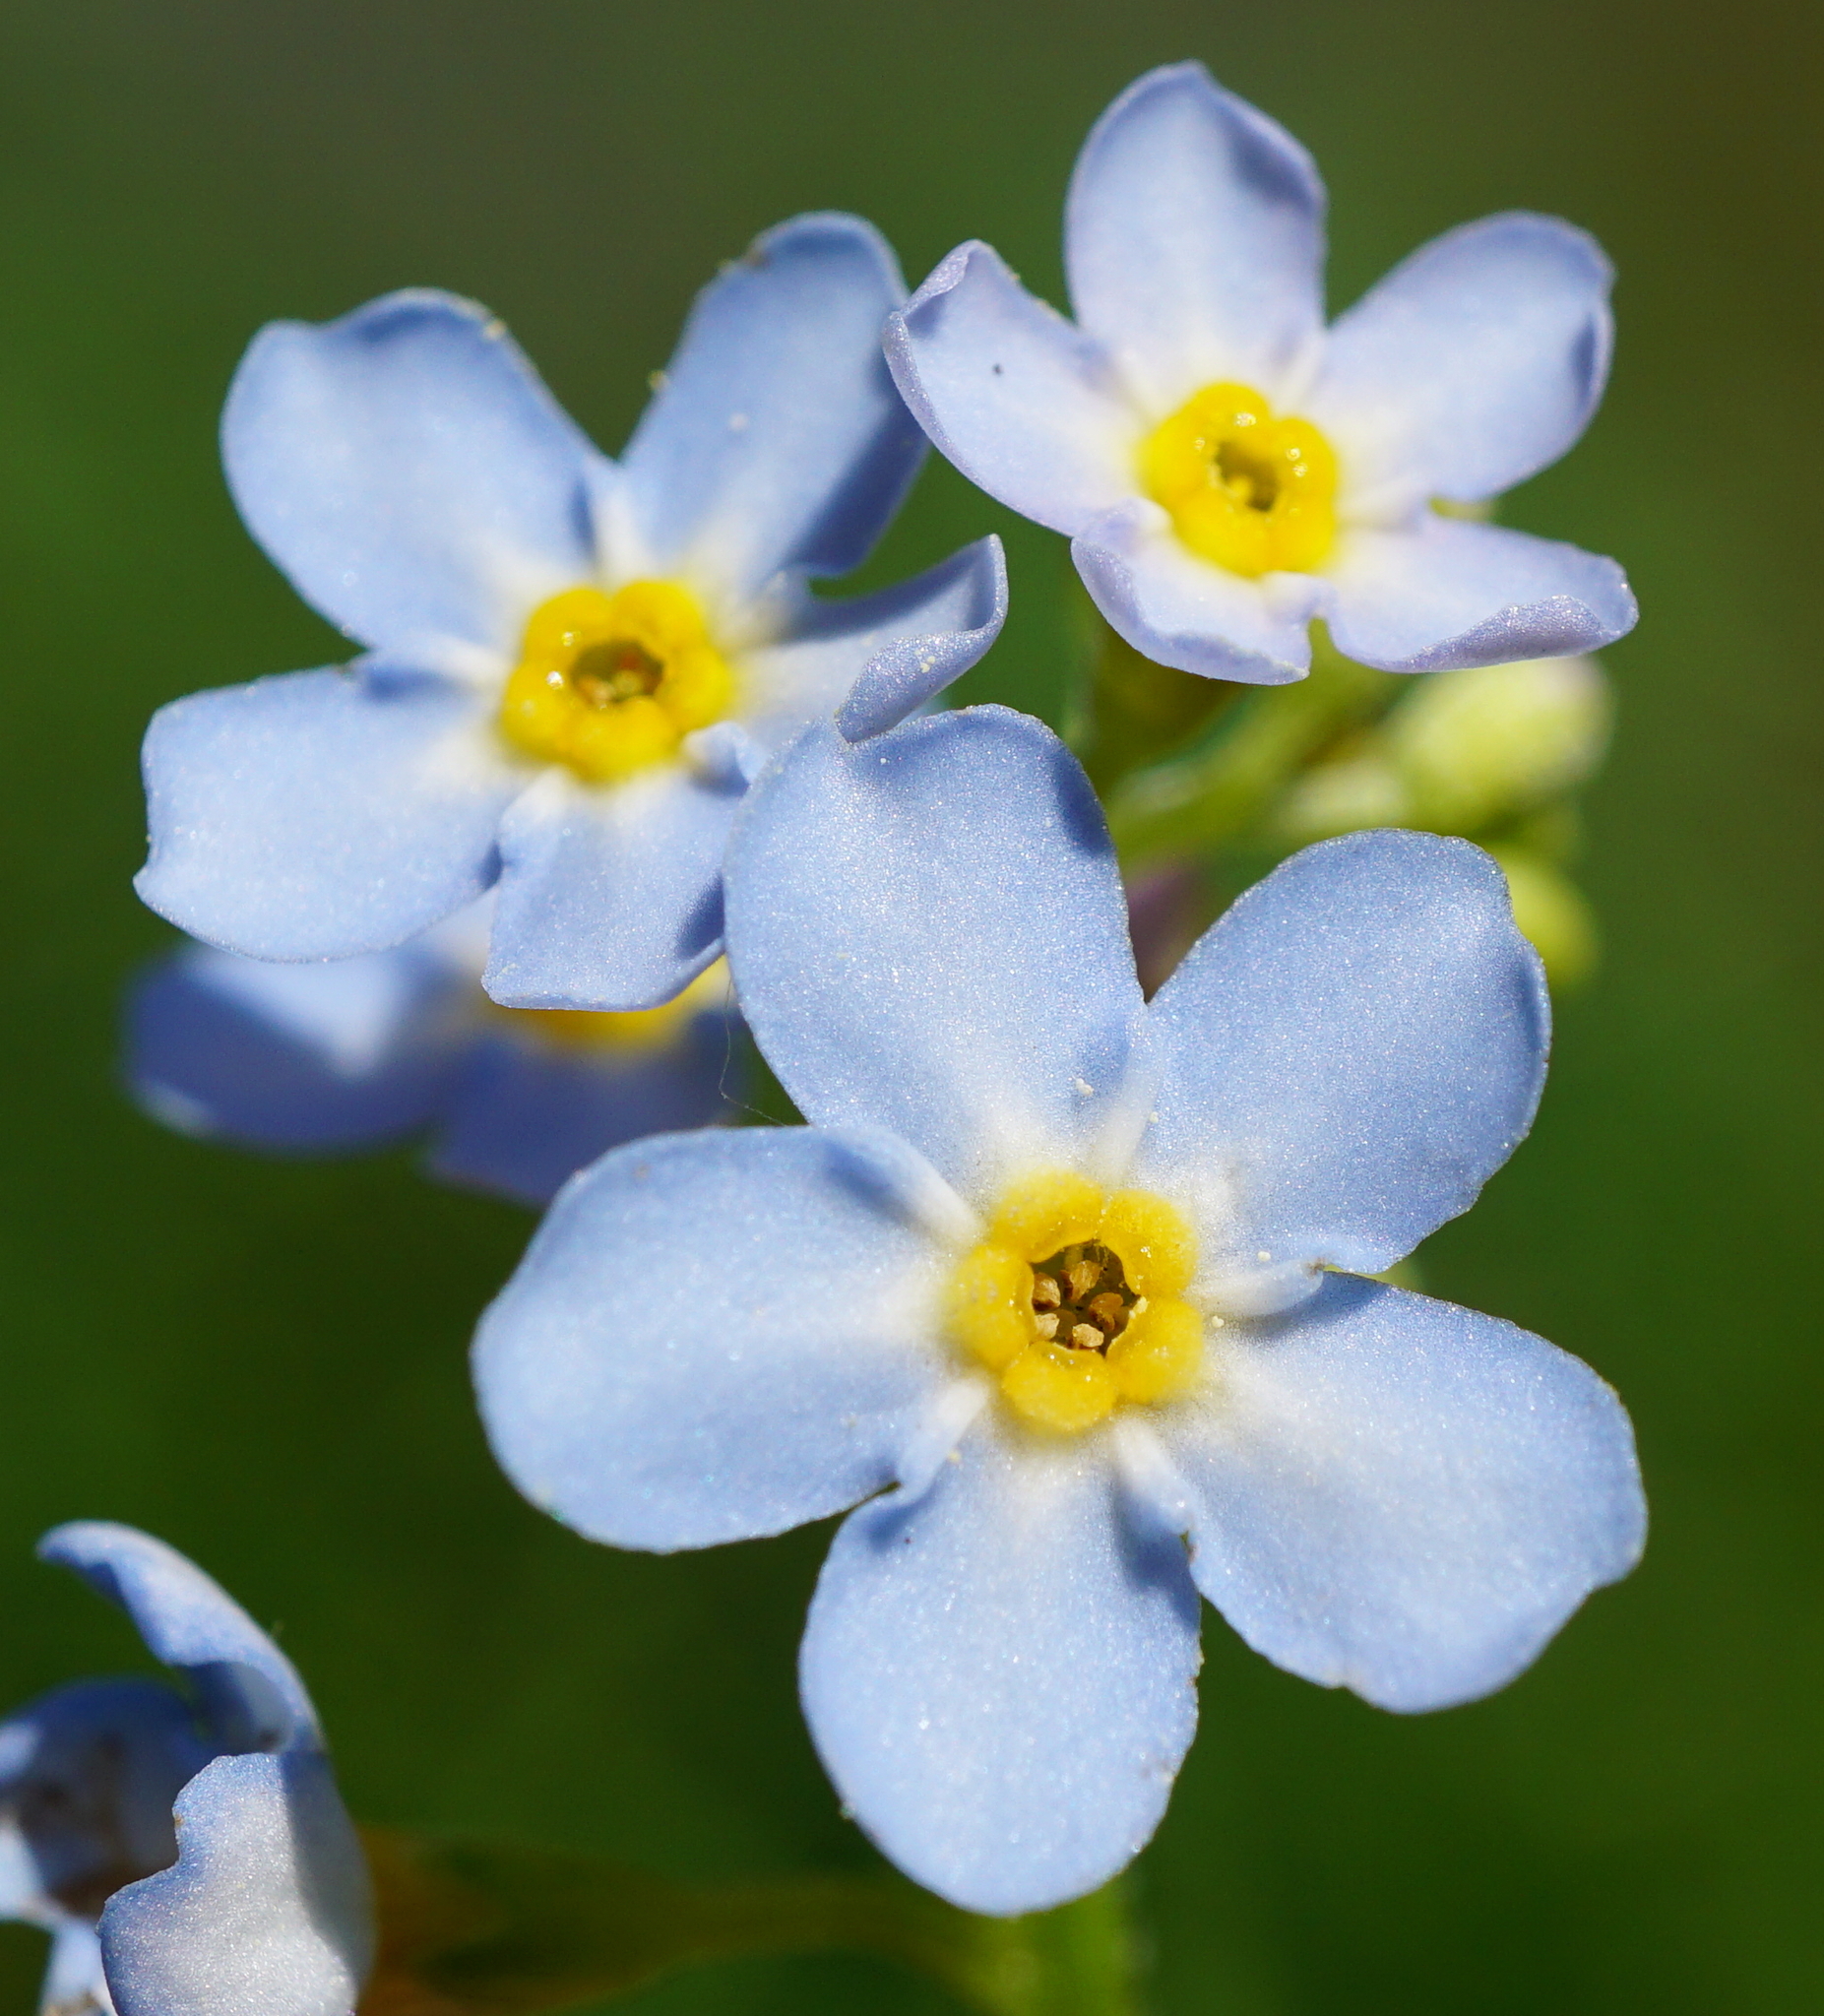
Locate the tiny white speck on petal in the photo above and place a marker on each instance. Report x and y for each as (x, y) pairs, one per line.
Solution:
(737, 423)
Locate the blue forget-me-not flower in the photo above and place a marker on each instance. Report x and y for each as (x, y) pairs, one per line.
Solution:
(188, 1852)
(573, 667)
(1055, 1277)
(357, 1052)
(1226, 468)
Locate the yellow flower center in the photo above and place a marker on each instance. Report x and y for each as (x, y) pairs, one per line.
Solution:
(1074, 1299)
(610, 683)
(623, 1032)
(1253, 493)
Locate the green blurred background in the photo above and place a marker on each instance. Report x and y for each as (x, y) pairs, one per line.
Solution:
(265, 1362)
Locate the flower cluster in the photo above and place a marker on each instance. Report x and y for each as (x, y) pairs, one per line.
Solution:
(187, 1850)
(1066, 1296)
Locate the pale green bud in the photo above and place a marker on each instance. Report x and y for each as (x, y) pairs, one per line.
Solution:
(1345, 795)
(1477, 746)
(1553, 913)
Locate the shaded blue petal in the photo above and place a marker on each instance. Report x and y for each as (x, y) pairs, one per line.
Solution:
(528, 1116)
(716, 1336)
(1392, 1494)
(268, 1909)
(875, 659)
(1181, 611)
(87, 1773)
(1194, 238)
(1348, 1055)
(999, 1675)
(1449, 593)
(309, 1057)
(776, 439)
(610, 896)
(316, 815)
(251, 1690)
(410, 473)
(928, 933)
(1475, 362)
(1024, 404)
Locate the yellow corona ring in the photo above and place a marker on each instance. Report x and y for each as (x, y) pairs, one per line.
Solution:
(623, 1031)
(610, 683)
(1253, 493)
(1074, 1299)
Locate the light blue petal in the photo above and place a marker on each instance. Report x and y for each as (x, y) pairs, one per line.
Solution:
(317, 815)
(1348, 1055)
(1392, 1494)
(875, 659)
(296, 1057)
(610, 896)
(776, 439)
(75, 1981)
(1194, 238)
(999, 1675)
(268, 1909)
(1024, 405)
(928, 933)
(251, 1690)
(87, 1773)
(529, 1115)
(1179, 610)
(1472, 365)
(716, 1336)
(409, 472)
(1450, 592)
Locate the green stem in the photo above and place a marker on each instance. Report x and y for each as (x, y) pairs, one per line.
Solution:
(477, 1930)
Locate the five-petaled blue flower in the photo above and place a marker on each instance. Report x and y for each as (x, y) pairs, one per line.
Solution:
(1226, 468)
(574, 668)
(189, 1853)
(358, 1052)
(1051, 1280)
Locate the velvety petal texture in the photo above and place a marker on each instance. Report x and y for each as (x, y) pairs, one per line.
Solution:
(1347, 1056)
(1194, 240)
(611, 898)
(716, 1336)
(1022, 403)
(317, 815)
(1392, 1494)
(1473, 365)
(1178, 610)
(409, 472)
(999, 1675)
(874, 658)
(267, 1910)
(775, 440)
(897, 909)
(1449, 593)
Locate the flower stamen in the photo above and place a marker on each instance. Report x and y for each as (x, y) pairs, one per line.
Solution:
(1075, 1299)
(1252, 492)
(608, 685)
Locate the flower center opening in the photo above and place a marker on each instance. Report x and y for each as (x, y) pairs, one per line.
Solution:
(1075, 1299)
(608, 685)
(1081, 1298)
(1251, 491)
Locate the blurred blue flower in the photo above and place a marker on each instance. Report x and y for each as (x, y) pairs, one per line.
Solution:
(358, 1052)
(1226, 468)
(573, 667)
(1053, 1279)
(189, 1853)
